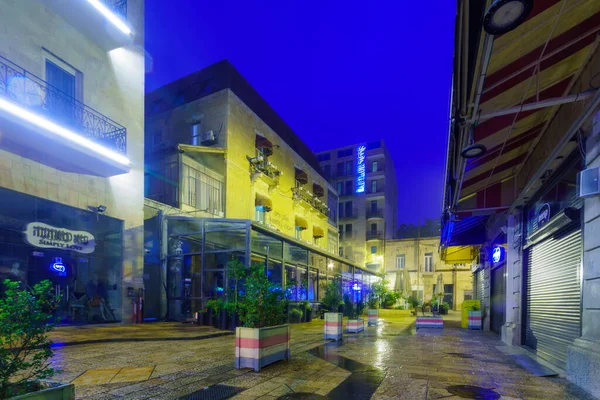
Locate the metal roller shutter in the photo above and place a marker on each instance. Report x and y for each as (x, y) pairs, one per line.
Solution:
(479, 287)
(554, 297)
(498, 300)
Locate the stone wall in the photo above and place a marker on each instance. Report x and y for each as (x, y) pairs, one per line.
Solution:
(583, 359)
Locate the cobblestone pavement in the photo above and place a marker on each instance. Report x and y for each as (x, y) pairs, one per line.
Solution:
(390, 361)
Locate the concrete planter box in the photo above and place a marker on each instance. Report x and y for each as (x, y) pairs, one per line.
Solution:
(474, 320)
(430, 322)
(355, 325)
(373, 317)
(56, 392)
(333, 326)
(257, 347)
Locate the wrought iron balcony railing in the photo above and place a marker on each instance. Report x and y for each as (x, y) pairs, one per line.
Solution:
(26, 89)
(118, 6)
(373, 235)
(375, 213)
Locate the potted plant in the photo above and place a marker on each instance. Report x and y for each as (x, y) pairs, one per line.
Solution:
(26, 318)
(217, 314)
(474, 316)
(444, 307)
(201, 317)
(373, 311)
(354, 324)
(296, 315)
(307, 309)
(236, 272)
(413, 304)
(263, 337)
(333, 300)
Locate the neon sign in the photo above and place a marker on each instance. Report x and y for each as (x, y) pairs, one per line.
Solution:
(356, 287)
(497, 254)
(361, 168)
(58, 267)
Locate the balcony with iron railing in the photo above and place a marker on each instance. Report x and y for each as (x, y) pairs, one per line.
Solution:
(103, 21)
(375, 213)
(306, 198)
(374, 235)
(353, 214)
(47, 125)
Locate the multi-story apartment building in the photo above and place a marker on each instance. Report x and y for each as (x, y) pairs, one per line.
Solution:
(418, 261)
(365, 179)
(71, 152)
(247, 186)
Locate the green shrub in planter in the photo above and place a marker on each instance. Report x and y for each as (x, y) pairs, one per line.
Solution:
(26, 318)
(444, 307)
(296, 314)
(263, 337)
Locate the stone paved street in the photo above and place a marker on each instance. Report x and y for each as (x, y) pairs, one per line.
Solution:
(390, 361)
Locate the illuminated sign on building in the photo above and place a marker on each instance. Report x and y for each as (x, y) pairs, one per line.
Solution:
(361, 168)
(497, 254)
(58, 267)
(42, 235)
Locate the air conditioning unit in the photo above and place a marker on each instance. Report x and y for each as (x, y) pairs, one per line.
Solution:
(589, 182)
(208, 138)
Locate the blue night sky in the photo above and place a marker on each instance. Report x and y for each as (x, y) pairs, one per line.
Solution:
(338, 72)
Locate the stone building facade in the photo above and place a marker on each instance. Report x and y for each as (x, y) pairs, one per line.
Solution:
(421, 258)
(72, 149)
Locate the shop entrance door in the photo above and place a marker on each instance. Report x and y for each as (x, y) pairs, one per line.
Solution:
(62, 273)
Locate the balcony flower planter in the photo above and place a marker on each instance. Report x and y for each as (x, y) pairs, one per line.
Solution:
(436, 322)
(373, 317)
(54, 391)
(333, 326)
(258, 347)
(355, 325)
(475, 320)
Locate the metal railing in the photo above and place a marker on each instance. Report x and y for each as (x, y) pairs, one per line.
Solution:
(26, 89)
(351, 215)
(375, 213)
(118, 6)
(372, 235)
(301, 194)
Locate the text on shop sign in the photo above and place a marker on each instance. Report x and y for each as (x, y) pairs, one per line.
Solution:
(360, 168)
(46, 236)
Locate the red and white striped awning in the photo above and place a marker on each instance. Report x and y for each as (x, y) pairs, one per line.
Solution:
(560, 36)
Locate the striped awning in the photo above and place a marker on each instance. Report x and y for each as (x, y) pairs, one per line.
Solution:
(301, 223)
(560, 37)
(301, 176)
(318, 232)
(263, 201)
(318, 190)
(264, 144)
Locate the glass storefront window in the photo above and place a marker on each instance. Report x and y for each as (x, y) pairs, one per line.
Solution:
(313, 284)
(80, 252)
(262, 244)
(321, 285)
(318, 261)
(295, 254)
(214, 284)
(274, 271)
(232, 239)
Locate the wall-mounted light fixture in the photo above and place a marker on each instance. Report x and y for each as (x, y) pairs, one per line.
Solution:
(110, 16)
(505, 15)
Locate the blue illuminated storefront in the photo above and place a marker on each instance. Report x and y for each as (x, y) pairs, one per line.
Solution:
(79, 251)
